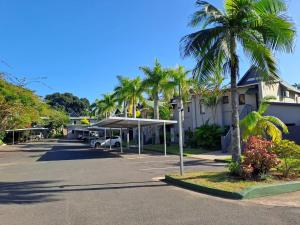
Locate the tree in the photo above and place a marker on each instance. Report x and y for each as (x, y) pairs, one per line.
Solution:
(84, 121)
(256, 124)
(122, 92)
(106, 106)
(69, 103)
(257, 26)
(156, 83)
(134, 95)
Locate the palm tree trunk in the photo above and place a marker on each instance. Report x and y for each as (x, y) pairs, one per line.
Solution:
(125, 108)
(156, 116)
(235, 142)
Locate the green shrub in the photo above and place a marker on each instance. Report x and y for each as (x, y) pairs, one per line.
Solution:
(209, 136)
(289, 152)
(234, 168)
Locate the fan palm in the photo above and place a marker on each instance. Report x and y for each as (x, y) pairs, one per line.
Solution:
(156, 84)
(255, 123)
(257, 26)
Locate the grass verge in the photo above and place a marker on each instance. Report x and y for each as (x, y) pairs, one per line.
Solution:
(221, 184)
(174, 149)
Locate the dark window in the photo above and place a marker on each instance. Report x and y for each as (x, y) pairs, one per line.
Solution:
(242, 100)
(202, 110)
(188, 109)
(225, 100)
(74, 121)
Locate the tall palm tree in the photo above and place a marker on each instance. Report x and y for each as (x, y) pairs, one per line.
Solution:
(257, 26)
(122, 93)
(156, 83)
(107, 105)
(136, 89)
(255, 123)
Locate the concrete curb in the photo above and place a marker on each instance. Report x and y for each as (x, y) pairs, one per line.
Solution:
(253, 192)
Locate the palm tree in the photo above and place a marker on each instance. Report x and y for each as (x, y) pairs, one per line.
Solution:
(107, 105)
(156, 84)
(256, 124)
(122, 93)
(257, 26)
(136, 89)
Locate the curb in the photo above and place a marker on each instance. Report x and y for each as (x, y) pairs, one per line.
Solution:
(253, 192)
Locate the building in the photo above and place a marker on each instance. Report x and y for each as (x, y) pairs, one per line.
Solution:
(251, 90)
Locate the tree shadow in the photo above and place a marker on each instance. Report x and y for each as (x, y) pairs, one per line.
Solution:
(24, 192)
(30, 192)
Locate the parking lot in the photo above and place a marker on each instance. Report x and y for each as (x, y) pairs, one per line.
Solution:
(66, 182)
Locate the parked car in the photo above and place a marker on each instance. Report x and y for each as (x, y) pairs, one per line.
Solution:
(115, 141)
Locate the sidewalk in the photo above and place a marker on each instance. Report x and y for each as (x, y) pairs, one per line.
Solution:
(213, 156)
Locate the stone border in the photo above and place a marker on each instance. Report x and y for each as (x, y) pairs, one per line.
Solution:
(248, 193)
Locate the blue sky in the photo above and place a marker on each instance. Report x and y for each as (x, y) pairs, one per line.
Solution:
(81, 45)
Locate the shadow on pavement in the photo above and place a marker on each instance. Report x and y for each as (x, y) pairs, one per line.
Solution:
(24, 192)
(74, 152)
(29, 192)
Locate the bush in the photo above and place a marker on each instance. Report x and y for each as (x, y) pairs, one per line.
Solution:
(289, 152)
(258, 158)
(209, 136)
(234, 168)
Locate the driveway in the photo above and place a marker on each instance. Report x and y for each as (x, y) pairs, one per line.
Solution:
(57, 183)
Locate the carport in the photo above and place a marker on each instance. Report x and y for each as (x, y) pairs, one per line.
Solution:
(33, 129)
(126, 123)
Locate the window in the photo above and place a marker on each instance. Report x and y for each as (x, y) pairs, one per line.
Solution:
(74, 121)
(188, 109)
(202, 110)
(225, 100)
(242, 99)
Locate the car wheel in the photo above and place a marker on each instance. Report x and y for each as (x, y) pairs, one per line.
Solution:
(97, 145)
(117, 144)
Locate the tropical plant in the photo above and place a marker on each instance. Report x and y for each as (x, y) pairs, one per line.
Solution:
(122, 93)
(289, 153)
(157, 84)
(135, 94)
(256, 124)
(106, 106)
(209, 136)
(258, 158)
(257, 26)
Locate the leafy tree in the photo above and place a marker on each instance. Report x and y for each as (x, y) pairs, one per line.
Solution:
(68, 102)
(257, 26)
(256, 124)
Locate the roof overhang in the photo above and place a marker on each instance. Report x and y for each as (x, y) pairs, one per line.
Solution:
(27, 129)
(125, 122)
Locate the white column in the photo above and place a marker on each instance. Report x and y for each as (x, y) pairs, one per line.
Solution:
(165, 139)
(180, 137)
(139, 136)
(121, 145)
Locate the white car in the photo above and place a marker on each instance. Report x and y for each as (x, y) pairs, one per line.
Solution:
(115, 141)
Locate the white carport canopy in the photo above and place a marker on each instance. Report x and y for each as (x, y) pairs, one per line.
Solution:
(125, 122)
(25, 129)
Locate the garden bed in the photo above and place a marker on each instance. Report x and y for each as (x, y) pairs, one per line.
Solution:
(223, 185)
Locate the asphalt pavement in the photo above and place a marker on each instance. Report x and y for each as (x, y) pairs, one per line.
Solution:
(65, 182)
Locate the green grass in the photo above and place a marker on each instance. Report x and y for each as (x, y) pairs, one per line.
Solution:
(174, 149)
(221, 181)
